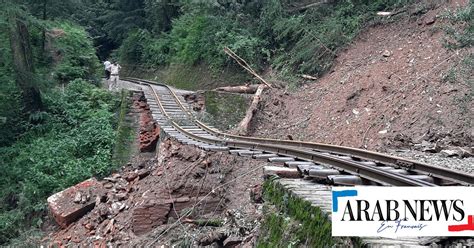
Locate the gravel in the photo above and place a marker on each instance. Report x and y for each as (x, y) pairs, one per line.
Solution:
(461, 164)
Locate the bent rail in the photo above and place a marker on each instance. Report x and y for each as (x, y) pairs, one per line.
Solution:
(312, 151)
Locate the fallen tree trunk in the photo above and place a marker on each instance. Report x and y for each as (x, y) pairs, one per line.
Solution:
(244, 89)
(245, 65)
(245, 123)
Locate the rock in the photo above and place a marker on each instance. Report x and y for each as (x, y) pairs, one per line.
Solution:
(131, 176)
(232, 241)
(449, 153)
(110, 179)
(108, 185)
(143, 173)
(430, 20)
(77, 197)
(456, 152)
(103, 210)
(117, 207)
(110, 227)
(85, 198)
(146, 217)
(98, 200)
(210, 238)
(62, 206)
(429, 147)
(256, 193)
(386, 53)
(122, 196)
(149, 133)
(89, 226)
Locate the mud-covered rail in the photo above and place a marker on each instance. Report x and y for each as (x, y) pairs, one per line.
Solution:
(338, 164)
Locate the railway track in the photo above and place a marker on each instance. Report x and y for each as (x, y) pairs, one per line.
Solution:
(326, 164)
(334, 164)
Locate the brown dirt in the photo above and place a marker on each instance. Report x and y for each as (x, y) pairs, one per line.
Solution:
(170, 198)
(374, 100)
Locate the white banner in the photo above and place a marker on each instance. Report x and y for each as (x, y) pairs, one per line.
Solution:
(402, 211)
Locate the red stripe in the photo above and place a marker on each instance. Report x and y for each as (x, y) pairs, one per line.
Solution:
(463, 227)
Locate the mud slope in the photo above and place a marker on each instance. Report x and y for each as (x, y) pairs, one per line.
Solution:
(389, 88)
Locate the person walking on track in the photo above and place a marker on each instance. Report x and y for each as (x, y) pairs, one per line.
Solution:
(114, 75)
(107, 69)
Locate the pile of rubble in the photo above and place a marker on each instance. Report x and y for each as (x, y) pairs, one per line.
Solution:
(149, 131)
(193, 194)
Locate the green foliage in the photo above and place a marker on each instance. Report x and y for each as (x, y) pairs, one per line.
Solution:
(315, 229)
(308, 42)
(122, 16)
(461, 28)
(297, 224)
(202, 38)
(131, 49)
(460, 31)
(261, 32)
(74, 141)
(10, 104)
(75, 52)
(125, 132)
(194, 38)
(225, 110)
(156, 51)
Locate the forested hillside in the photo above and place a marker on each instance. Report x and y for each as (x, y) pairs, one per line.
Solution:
(57, 127)
(291, 36)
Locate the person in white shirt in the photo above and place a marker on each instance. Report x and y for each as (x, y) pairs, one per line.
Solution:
(107, 69)
(114, 75)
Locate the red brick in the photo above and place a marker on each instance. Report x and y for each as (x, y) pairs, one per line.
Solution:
(65, 211)
(147, 217)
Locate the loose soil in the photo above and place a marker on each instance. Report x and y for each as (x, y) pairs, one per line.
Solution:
(179, 195)
(387, 89)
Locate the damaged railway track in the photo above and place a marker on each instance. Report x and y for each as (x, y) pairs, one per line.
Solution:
(333, 164)
(309, 169)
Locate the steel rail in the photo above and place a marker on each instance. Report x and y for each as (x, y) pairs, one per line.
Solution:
(291, 148)
(421, 168)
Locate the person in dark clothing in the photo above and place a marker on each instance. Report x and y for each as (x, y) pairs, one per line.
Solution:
(107, 69)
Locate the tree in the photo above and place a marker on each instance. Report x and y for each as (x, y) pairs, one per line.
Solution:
(23, 60)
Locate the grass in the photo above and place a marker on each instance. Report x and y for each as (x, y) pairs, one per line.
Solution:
(190, 77)
(296, 223)
(223, 110)
(125, 132)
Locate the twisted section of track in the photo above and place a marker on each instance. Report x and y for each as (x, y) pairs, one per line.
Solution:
(177, 119)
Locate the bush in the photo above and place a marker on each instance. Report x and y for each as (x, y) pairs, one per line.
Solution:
(461, 37)
(308, 42)
(261, 32)
(74, 142)
(195, 38)
(76, 54)
(132, 47)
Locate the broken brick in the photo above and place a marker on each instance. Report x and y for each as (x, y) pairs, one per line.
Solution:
(63, 208)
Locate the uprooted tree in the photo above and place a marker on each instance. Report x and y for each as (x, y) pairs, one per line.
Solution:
(243, 126)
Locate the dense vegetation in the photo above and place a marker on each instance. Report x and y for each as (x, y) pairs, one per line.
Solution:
(292, 222)
(67, 132)
(288, 35)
